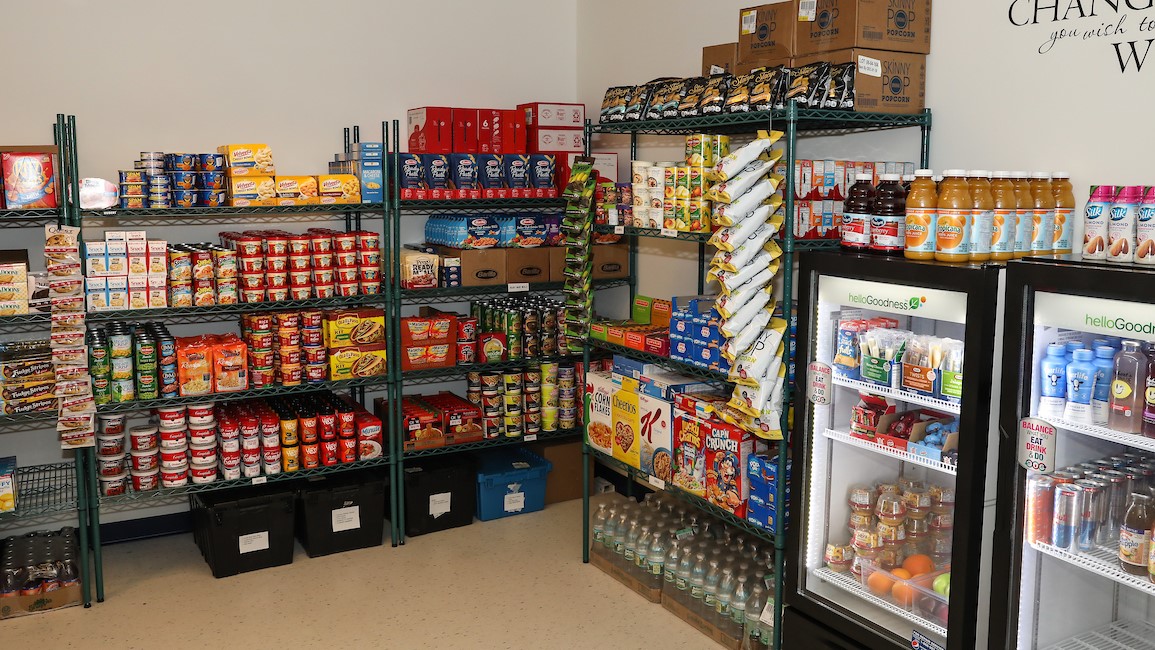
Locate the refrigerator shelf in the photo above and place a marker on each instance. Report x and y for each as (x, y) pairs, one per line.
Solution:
(1138, 441)
(900, 395)
(848, 583)
(1100, 560)
(1120, 635)
(898, 454)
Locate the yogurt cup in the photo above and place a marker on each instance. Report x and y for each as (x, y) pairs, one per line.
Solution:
(174, 458)
(171, 416)
(145, 481)
(109, 445)
(142, 438)
(109, 466)
(203, 454)
(111, 486)
(201, 474)
(200, 413)
(172, 438)
(145, 461)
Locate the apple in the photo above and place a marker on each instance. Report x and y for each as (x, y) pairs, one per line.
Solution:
(942, 585)
(941, 614)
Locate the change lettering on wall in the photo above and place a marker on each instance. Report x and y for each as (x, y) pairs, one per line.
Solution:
(1125, 29)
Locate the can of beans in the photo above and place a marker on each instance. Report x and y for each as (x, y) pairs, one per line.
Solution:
(146, 385)
(101, 390)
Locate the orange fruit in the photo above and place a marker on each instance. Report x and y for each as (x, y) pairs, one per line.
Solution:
(902, 592)
(879, 583)
(918, 564)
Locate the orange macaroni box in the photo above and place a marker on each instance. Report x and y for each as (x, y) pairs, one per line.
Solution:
(616, 335)
(248, 159)
(296, 187)
(339, 188)
(262, 188)
(283, 201)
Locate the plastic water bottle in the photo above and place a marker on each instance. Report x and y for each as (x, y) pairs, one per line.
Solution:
(767, 629)
(630, 545)
(656, 560)
(685, 570)
(752, 629)
(600, 520)
(670, 569)
(698, 583)
(738, 605)
(724, 598)
(710, 588)
(641, 553)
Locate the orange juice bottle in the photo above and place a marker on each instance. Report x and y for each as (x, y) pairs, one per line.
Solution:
(921, 216)
(1064, 211)
(982, 215)
(1024, 213)
(1043, 223)
(953, 233)
(1006, 220)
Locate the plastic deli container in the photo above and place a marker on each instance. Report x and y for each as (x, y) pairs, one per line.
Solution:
(145, 461)
(143, 481)
(203, 454)
(174, 458)
(201, 474)
(172, 438)
(202, 434)
(174, 476)
(142, 438)
(171, 416)
(110, 465)
(110, 445)
(111, 486)
(200, 413)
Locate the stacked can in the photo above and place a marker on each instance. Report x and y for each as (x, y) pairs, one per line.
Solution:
(201, 275)
(644, 185)
(467, 341)
(257, 332)
(549, 396)
(530, 324)
(567, 397)
(170, 427)
(146, 185)
(100, 366)
(512, 403)
(196, 179)
(288, 369)
(314, 354)
(111, 456)
(488, 389)
(122, 387)
(531, 405)
(147, 363)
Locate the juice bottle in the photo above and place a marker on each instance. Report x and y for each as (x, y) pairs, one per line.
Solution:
(856, 212)
(1024, 214)
(1095, 219)
(982, 215)
(1080, 387)
(1145, 230)
(1149, 396)
(1053, 382)
(1071, 347)
(1005, 221)
(952, 237)
(1121, 226)
(1135, 535)
(907, 181)
(921, 216)
(1043, 224)
(1128, 384)
(1064, 195)
(1101, 393)
(888, 216)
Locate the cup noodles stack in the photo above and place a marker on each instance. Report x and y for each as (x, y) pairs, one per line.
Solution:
(275, 265)
(76, 419)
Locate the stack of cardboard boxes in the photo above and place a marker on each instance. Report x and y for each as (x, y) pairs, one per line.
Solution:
(888, 39)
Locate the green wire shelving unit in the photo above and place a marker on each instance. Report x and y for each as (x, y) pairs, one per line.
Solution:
(795, 122)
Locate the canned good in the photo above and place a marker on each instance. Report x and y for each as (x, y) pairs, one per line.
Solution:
(567, 418)
(251, 470)
(466, 329)
(230, 473)
(466, 353)
(230, 458)
(121, 368)
(1067, 513)
(549, 419)
(512, 381)
(101, 390)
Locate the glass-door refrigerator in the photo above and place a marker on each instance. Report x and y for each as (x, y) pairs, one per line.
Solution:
(892, 424)
(1076, 460)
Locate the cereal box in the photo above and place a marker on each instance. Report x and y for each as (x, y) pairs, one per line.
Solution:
(248, 159)
(339, 188)
(600, 387)
(29, 181)
(627, 423)
(655, 436)
(8, 484)
(689, 457)
(727, 448)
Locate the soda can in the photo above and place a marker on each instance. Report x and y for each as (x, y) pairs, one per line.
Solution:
(1093, 507)
(1117, 495)
(1068, 511)
(1040, 502)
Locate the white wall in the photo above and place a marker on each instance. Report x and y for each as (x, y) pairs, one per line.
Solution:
(157, 76)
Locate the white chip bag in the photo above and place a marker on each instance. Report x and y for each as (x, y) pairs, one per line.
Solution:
(729, 166)
(728, 215)
(727, 239)
(735, 346)
(731, 326)
(757, 361)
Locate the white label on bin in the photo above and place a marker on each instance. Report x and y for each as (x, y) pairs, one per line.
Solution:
(657, 482)
(260, 480)
(515, 502)
(621, 230)
(439, 504)
(530, 437)
(869, 66)
(521, 464)
(254, 542)
(346, 518)
(669, 232)
(518, 287)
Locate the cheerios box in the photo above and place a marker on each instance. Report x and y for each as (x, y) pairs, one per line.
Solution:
(689, 459)
(727, 449)
(248, 159)
(655, 436)
(600, 388)
(626, 423)
(8, 484)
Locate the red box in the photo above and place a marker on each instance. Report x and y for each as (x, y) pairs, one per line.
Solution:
(512, 136)
(658, 344)
(430, 129)
(636, 340)
(489, 131)
(465, 131)
(370, 440)
(554, 115)
(727, 449)
(549, 140)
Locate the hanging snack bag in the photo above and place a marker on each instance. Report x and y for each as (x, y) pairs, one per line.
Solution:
(738, 99)
(752, 365)
(695, 89)
(737, 159)
(579, 173)
(808, 83)
(841, 91)
(729, 238)
(614, 103)
(731, 326)
(728, 190)
(727, 305)
(727, 215)
(714, 96)
(747, 336)
(742, 255)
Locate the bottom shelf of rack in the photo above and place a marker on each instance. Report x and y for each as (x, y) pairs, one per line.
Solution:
(848, 583)
(493, 442)
(43, 489)
(1120, 635)
(1102, 561)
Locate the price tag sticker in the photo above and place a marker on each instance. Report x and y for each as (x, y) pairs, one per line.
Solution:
(518, 287)
(109, 213)
(530, 437)
(669, 232)
(619, 230)
(260, 480)
(657, 482)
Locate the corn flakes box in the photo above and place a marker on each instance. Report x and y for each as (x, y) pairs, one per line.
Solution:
(248, 159)
(727, 448)
(600, 388)
(627, 423)
(655, 436)
(689, 457)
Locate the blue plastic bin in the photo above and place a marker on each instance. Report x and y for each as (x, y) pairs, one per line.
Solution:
(510, 482)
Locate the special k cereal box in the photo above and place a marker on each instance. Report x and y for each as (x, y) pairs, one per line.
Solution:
(727, 449)
(689, 458)
(655, 436)
(624, 406)
(339, 188)
(248, 159)
(600, 387)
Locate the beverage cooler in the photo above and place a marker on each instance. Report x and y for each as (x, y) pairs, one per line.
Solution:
(1077, 460)
(892, 423)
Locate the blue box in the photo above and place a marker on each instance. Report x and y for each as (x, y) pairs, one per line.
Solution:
(766, 467)
(762, 491)
(681, 326)
(632, 368)
(763, 517)
(372, 179)
(681, 350)
(664, 385)
(510, 482)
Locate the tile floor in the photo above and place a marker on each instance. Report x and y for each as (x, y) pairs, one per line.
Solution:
(512, 583)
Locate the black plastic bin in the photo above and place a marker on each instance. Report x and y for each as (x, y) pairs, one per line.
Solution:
(342, 512)
(244, 530)
(440, 493)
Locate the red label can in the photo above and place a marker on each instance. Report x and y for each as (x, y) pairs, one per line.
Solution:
(311, 337)
(466, 329)
(329, 453)
(347, 450)
(312, 318)
(311, 456)
(466, 352)
(315, 372)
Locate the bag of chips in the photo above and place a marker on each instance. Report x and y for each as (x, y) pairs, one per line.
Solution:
(738, 99)
(741, 256)
(808, 85)
(841, 91)
(768, 88)
(728, 215)
(755, 363)
(729, 238)
(741, 318)
(661, 96)
(737, 160)
(614, 103)
(691, 100)
(675, 93)
(638, 101)
(714, 96)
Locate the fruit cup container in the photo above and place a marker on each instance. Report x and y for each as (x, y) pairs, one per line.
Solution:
(916, 594)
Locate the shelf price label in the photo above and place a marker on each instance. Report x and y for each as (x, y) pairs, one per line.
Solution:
(518, 287)
(530, 437)
(657, 482)
(1037, 445)
(619, 230)
(669, 232)
(260, 480)
(819, 380)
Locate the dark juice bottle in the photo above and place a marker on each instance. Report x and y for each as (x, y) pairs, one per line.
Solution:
(888, 217)
(856, 213)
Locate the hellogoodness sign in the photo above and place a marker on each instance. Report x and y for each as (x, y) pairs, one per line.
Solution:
(1125, 28)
